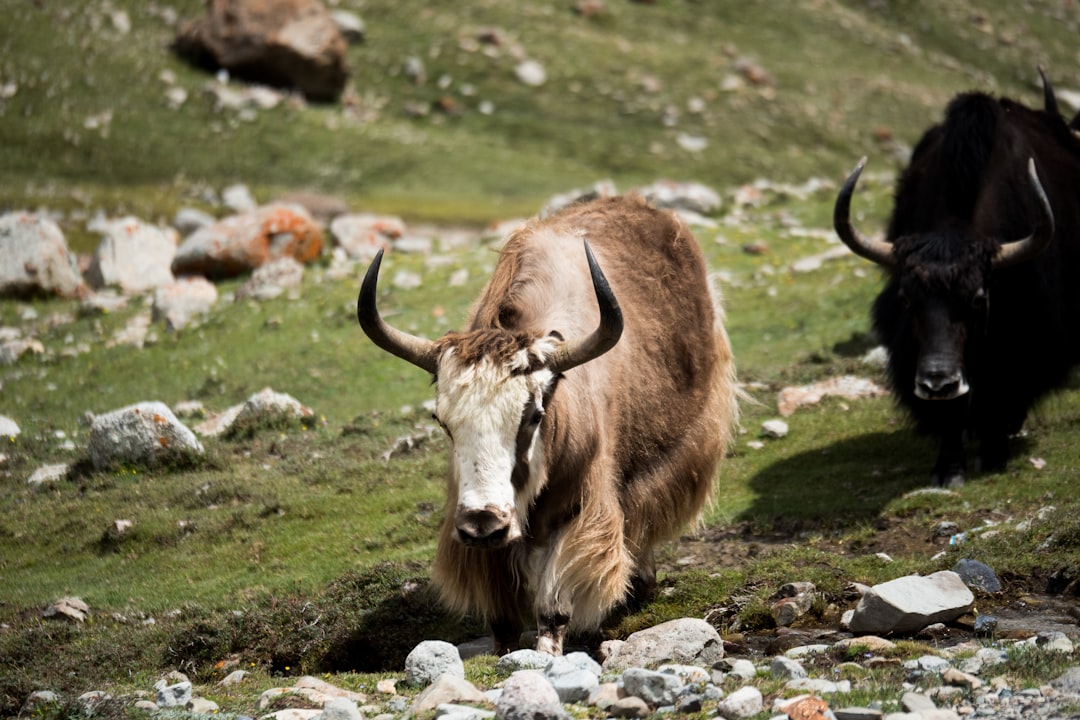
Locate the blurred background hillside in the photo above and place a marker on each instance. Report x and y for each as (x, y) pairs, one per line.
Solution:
(438, 123)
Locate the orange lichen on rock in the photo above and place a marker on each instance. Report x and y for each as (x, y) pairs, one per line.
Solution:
(240, 243)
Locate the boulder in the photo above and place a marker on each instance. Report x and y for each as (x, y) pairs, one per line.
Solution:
(911, 603)
(528, 695)
(240, 243)
(689, 641)
(292, 44)
(141, 434)
(182, 302)
(34, 258)
(362, 235)
(431, 659)
(132, 255)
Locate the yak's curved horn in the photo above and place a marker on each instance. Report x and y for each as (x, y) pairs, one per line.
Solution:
(873, 250)
(578, 351)
(1027, 248)
(1050, 104)
(416, 350)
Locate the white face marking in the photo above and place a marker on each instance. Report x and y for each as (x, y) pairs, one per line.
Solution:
(481, 406)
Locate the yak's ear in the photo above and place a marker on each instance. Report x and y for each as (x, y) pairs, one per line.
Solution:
(557, 335)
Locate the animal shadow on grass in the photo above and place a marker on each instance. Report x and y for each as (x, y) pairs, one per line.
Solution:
(841, 485)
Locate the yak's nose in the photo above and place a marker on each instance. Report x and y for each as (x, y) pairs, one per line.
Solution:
(484, 527)
(940, 383)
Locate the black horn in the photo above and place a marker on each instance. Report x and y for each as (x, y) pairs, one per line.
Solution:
(873, 250)
(1027, 248)
(1050, 105)
(580, 351)
(416, 350)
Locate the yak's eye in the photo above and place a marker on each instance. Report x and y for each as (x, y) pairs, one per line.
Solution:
(534, 416)
(903, 298)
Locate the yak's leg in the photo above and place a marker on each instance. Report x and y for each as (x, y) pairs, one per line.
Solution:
(643, 581)
(506, 633)
(551, 632)
(582, 573)
(993, 452)
(950, 468)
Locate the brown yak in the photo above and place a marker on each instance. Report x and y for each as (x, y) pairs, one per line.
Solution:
(587, 412)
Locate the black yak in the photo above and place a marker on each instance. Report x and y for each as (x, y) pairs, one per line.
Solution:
(981, 309)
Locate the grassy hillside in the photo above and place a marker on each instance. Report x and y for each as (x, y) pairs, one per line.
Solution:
(89, 121)
(296, 551)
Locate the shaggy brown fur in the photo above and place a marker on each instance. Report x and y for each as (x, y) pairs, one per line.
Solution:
(632, 439)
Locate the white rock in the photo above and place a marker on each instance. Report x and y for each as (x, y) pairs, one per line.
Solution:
(132, 256)
(47, 474)
(774, 428)
(531, 73)
(184, 301)
(140, 434)
(431, 659)
(34, 257)
(742, 703)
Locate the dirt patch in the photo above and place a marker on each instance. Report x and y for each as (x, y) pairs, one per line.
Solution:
(1026, 606)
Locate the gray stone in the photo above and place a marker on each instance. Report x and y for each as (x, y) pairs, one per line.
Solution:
(271, 279)
(140, 434)
(362, 235)
(452, 711)
(691, 703)
(573, 676)
(446, 688)
(523, 660)
(202, 706)
(132, 256)
(686, 641)
(927, 663)
(179, 304)
(34, 258)
(742, 703)
(339, 708)
(857, 713)
(911, 603)
(1054, 640)
(916, 702)
(682, 196)
(818, 686)
(68, 608)
(1068, 682)
(572, 661)
(630, 707)
(977, 575)
(575, 685)
(689, 674)
(784, 668)
(431, 659)
(178, 695)
(653, 687)
(528, 695)
(739, 667)
(38, 700)
(985, 625)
